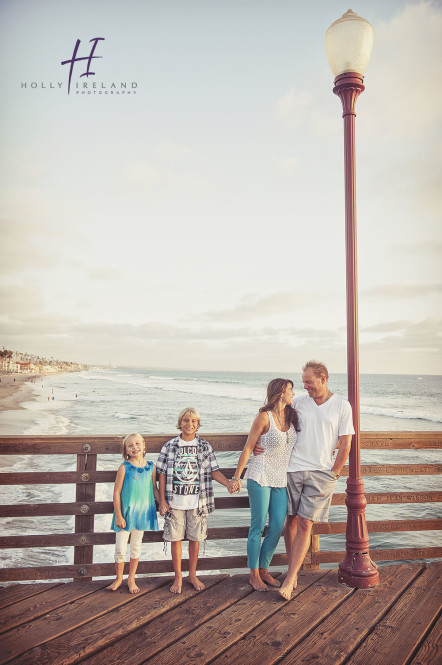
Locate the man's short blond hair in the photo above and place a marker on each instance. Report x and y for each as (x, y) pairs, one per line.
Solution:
(319, 369)
(188, 411)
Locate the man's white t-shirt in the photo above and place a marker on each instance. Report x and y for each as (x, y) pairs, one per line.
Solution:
(321, 426)
(186, 476)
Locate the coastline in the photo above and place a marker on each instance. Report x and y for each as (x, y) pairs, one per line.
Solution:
(15, 389)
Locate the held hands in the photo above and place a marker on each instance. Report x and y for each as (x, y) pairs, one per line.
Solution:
(234, 486)
(164, 508)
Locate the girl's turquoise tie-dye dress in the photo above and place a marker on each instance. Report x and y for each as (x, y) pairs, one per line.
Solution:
(137, 499)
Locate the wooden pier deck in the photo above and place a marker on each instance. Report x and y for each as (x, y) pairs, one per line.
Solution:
(395, 623)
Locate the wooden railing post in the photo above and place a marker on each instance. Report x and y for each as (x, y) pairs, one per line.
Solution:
(312, 550)
(84, 523)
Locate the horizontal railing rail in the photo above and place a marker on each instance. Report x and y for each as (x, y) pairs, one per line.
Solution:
(84, 538)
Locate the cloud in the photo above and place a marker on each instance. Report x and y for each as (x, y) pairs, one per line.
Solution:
(250, 307)
(402, 291)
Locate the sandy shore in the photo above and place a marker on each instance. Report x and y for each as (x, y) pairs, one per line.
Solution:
(15, 389)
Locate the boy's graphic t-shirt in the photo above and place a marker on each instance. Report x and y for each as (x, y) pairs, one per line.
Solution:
(186, 477)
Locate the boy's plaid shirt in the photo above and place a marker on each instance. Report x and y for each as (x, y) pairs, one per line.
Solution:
(206, 464)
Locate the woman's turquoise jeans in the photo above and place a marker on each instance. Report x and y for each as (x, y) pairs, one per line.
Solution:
(271, 501)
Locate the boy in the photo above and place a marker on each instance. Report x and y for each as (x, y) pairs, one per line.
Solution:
(186, 466)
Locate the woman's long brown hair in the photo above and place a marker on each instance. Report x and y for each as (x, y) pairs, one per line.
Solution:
(274, 391)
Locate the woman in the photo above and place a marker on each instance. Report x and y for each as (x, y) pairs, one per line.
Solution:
(275, 429)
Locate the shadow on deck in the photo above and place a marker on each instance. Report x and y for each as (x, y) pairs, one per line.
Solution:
(396, 623)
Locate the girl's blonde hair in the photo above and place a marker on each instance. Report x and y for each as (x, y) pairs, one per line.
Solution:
(126, 439)
(188, 411)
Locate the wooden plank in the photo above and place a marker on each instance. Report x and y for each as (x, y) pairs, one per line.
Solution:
(381, 470)
(430, 651)
(57, 478)
(268, 641)
(14, 593)
(398, 554)
(393, 497)
(106, 507)
(50, 509)
(346, 628)
(311, 614)
(108, 538)
(68, 445)
(62, 620)
(379, 526)
(396, 637)
(97, 508)
(84, 523)
(144, 567)
(34, 607)
(153, 639)
(101, 630)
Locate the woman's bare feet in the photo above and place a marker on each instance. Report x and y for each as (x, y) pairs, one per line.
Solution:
(133, 588)
(267, 578)
(176, 586)
(195, 582)
(256, 582)
(115, 584)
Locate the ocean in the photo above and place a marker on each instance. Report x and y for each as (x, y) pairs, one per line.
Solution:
(119, 401)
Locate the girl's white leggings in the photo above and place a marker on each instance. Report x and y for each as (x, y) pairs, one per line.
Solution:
(122, 538)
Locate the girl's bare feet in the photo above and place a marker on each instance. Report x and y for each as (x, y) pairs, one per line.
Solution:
(115, 584)
(176, 586)
(133, 588)
(267, 578)
(195, 582)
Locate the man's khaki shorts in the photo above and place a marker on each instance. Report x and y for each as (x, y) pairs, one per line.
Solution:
(309, 494)
(180, 524)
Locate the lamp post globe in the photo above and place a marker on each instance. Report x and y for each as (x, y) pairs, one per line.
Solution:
(349, 43)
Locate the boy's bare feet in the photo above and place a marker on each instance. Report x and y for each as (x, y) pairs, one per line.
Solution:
(133, 588)
(196, 583)
(176, 586)
(266, 577)
(115, 584)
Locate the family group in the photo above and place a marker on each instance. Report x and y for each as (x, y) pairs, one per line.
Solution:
(295, 451)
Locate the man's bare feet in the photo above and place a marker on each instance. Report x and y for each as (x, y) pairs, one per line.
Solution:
(115, 584)
(133, 588)
(176, 586)
(287, 589)
(267, 578)
(195, 582)
(256, 582)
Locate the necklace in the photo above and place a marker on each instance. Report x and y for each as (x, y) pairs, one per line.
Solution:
(286, 432)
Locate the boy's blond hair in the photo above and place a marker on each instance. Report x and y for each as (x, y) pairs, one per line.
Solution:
(188, 411)
(126, 439)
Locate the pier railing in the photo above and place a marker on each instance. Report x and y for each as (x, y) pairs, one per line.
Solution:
(86, 476)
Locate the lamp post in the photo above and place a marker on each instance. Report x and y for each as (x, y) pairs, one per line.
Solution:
(349, 42)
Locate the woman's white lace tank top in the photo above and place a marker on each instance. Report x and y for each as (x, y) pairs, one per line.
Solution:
(270, 468)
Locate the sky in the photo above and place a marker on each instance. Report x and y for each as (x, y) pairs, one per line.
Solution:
(198, 222)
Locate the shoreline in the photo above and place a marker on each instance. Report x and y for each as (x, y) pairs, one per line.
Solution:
(15, 389)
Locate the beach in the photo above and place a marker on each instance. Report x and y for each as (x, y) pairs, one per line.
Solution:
(15, 389)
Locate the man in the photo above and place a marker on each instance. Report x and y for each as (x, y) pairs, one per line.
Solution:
(326, 423)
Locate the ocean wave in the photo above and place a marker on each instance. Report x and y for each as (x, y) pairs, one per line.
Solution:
(125, 416)
(401, 414)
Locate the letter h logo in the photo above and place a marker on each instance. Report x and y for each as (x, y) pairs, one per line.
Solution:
(89, 59)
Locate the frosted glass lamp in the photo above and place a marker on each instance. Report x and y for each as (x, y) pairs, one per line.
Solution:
(349, 43)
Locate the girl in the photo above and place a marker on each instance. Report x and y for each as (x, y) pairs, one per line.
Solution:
(275, 429)
(134, 493)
